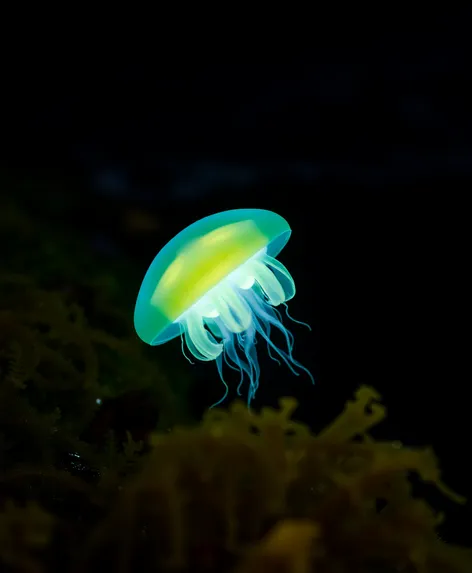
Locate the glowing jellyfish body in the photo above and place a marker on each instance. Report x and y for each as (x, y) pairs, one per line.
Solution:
(217, 284)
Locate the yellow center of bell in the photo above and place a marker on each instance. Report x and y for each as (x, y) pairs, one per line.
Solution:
(203, 263)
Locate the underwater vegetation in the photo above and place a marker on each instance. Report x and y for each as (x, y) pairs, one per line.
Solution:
(240, 492)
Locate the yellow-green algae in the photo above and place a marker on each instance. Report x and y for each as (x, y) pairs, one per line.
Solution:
(207, 497)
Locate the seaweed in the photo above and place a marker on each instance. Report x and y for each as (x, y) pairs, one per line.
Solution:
(211, 498)
(56, 369)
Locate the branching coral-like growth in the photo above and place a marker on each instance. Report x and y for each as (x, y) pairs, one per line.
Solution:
(208, 495)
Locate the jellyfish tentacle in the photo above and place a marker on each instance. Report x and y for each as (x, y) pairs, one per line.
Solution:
(219, 365)
(287, 357)
(202, 339)
(269, 349)
(248, 360)
(232, 355)
(268, 283)
(272, 309)
(251, 357)
(269, 316)
(287, 282)
(182, 343)
(289, 316)
(192, 348)
(226, 315)
(267, 312)
(240, 308)
(233, 310)
(229, 361)
(267, 328)
(214, 328)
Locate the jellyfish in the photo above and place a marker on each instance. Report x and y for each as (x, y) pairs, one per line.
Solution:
(217, 285)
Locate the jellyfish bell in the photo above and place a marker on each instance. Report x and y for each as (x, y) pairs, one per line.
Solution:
(217, 284)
